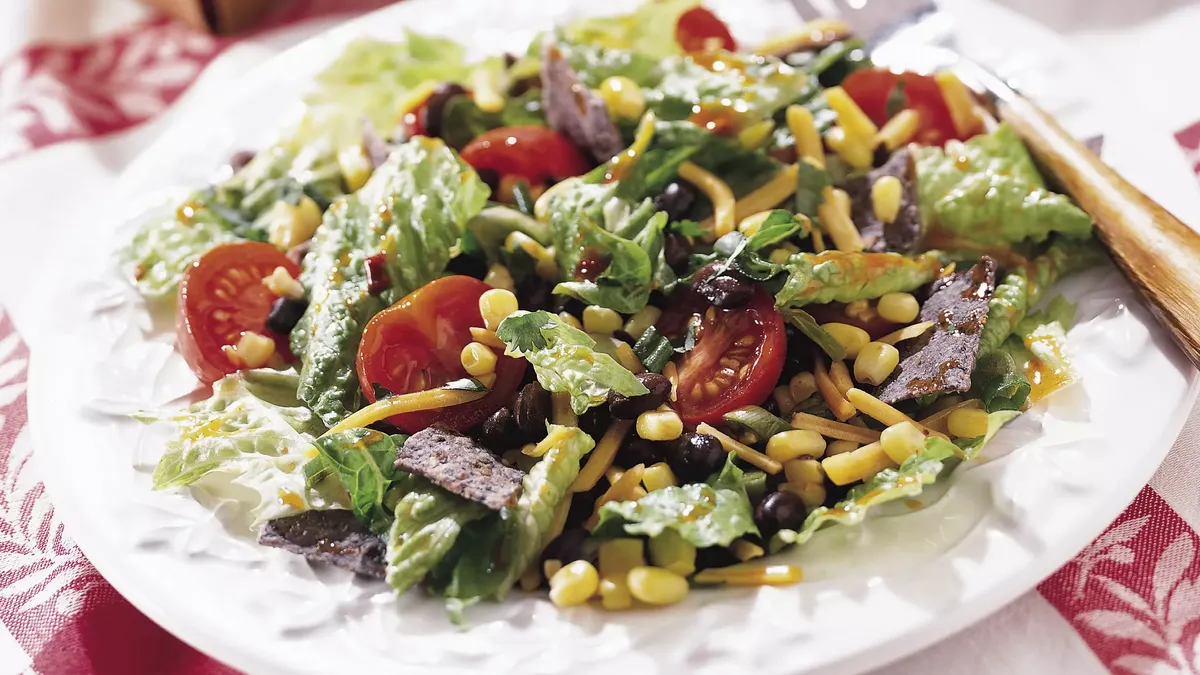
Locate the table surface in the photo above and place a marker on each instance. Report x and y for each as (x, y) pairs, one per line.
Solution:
(1128, 603)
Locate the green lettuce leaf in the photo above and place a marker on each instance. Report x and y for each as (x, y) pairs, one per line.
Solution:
(713, 514)
(492, 225)
(648, 30)
(841, 276)
(907, 481)
(426, 525)
(990, 193)
(248, 443)
(163, 248)
(590, 220)
(463, 121)
(999, 382)
(565, 360)
(364, 461)
(413, 210)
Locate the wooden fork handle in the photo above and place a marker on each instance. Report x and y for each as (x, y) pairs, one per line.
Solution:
(1158, 254)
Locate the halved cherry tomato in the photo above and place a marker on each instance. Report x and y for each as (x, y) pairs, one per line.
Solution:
(530, 152)
(737, 360)
(697, 26)
(416, 344)
(870, 89)
(222, 295)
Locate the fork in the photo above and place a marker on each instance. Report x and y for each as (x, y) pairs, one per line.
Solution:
(1157, 253)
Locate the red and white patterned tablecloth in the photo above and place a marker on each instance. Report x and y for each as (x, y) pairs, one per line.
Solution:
(1128, 603)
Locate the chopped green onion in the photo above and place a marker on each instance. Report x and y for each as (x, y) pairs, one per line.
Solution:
(653, 350)
(821, 337)
(762, 423)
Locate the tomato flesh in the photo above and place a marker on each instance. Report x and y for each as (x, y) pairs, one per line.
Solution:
(737, 360)
(870, 89)
(416, 344)
(537, 154)
(698, 29)
(222, 296)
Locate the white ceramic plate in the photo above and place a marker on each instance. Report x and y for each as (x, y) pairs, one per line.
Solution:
(872, 594)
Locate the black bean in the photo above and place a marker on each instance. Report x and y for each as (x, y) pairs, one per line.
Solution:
(714, 556)
(779, 511)
(676, 251)
(437, 105)
(240, 159)
(595, 421)
(490, 177)
(725, 291)
(496, 432)
(629, 407)
(532, 409)
(535, 293)
(880, 156)
(676, 199)
(284, 314)
(468, 265)
(694, 457)
(567, 547)
(638, 450)
(621, 335)
(569, 305)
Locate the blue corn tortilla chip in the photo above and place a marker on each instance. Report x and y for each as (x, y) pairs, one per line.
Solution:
(941, 360)
(574, 111)
(902, 235)
(335, 537)
(460, 465)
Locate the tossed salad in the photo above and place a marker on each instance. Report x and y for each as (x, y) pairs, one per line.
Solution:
(622, 315)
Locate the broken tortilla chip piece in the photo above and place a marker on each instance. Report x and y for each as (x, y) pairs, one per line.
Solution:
(459, 465)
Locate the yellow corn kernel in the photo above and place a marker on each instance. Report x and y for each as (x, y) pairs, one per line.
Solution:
(959, 101)
(496, 305)
(900, 441)
(967, 423)
(617, 556)
(659, 425)
(478, 359)
(743, 451)
(840, 446)
(251, 351)
(801, 386)
(670, 551)
(789, 445)
(851, 149)
(658, 476)
(756, 135)
(499, 277)
(900, 129)
(570, 320)
(551, 567)
(282, 283)
(750, 224)
(852, 338)
(783, 399)
(656, 586)
(885, 198)
(840, 374)
(834, 213)
(801, 471)
(860, 310)
(486, 337)
(804, 130)
(623, 97)
(574, 584)
(856, 465)
(642, 320)
(614, 594)
(625, 356)
(850, 116)
(812, 494)
(291, 225)
(898, 307)
(719, 193)
(355, 166)
(875, 362)
(744, 550)
(601, 320)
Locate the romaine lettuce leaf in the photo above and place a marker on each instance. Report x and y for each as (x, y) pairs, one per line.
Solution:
(998, 381)
(990, 193)
(590, 220)
(842, 276)
(364, 461)
(755, 86)
(412, 211)
(711, 514)
(907, 481)
(648, 30)
(565, 360)
(163, 248)
(427, 523)
(247, 443)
